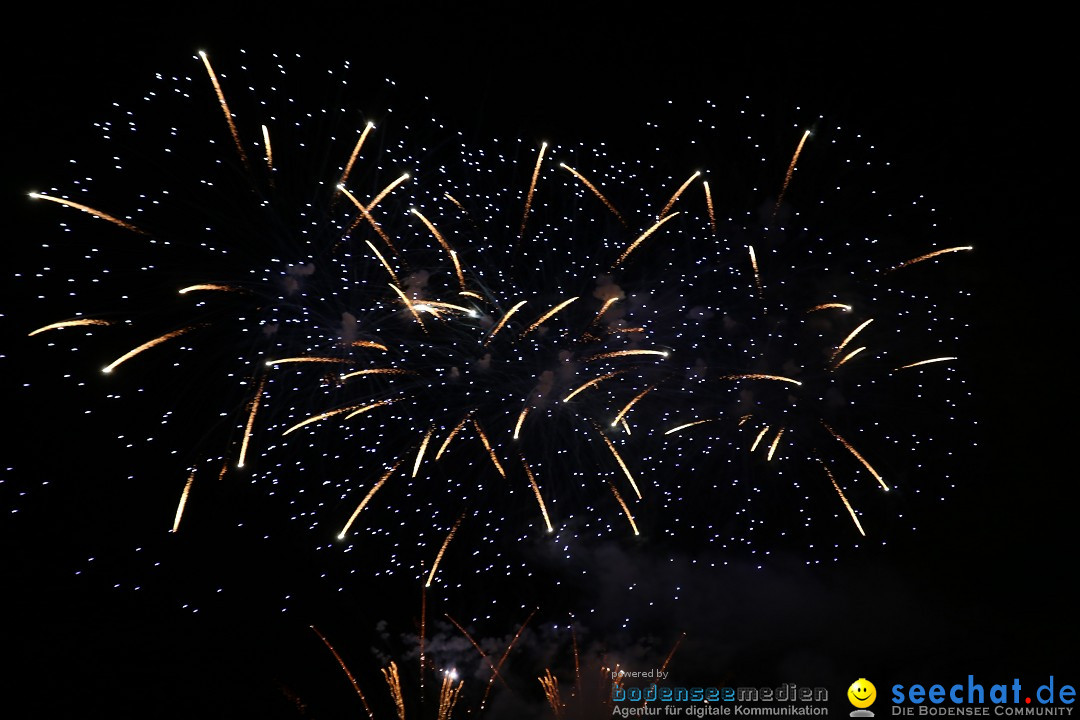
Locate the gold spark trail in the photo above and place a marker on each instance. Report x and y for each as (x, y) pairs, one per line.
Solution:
(709, 206)
(624, 353)
(547, 315)
(367, 498)
(618, 458)
(454, 200)
(368, 344)
(453, 433)
(420, 452)
(852, 334)
(532, 189)
(355, 153)
(457, 269)
(323, 416)
(269, 150)
(855, 452)
(366, 408)
(393, 275)
(378, 371)
(615, 492)
(758, 438)
(925, 362)
(225, 108)
(680, 191)
(90, 210)
(539, 497)
(775, 442)
(626, 409)
(487, 446)
(641, 239)
(435, 305)
(250, 422)
(442, 550)
(790, 172)
(445, 245)
(851, 510)
(66, 324)
(145, 346)
(928, 256)
(386, 191)
(345, 668)
(830, 306)
(847, 357)
(502, 321)
(674, 430)
(210, 287)
(307, 359)
(408, 304)
(592, 382)
(520, 420)
(183, 502)
(603, 309)
(757, 274)
(760, 376)
(597, 193)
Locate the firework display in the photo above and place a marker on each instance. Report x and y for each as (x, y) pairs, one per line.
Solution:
(441, 355)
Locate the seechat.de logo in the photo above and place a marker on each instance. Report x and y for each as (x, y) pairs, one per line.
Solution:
(973, 698)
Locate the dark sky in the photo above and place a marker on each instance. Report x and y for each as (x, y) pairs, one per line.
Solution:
(976, 114)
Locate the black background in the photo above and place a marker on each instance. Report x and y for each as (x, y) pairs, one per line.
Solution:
(975, 108)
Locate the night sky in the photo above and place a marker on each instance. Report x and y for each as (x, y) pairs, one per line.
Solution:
(974, 119)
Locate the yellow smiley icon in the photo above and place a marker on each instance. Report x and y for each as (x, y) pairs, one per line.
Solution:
(862, 693)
